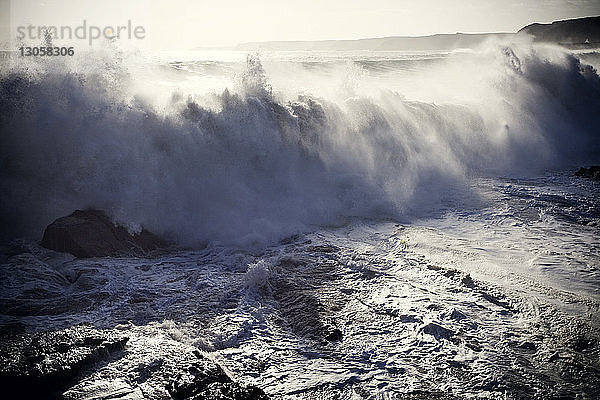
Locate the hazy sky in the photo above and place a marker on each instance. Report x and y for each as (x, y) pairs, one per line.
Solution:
(187, 23)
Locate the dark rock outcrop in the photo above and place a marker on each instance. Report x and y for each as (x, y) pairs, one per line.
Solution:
(204, 380)
(334, 335)
(437, 331)
(90, 233)
(59, 364)
(592, 172)
(42, 365)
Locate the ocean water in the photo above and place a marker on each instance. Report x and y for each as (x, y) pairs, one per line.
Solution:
(353, 225)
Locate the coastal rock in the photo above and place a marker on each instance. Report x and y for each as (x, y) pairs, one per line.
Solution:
(43, 364)
(592, 172)
(90, 233)
(437, 331)
(334, 335)
(204, 379)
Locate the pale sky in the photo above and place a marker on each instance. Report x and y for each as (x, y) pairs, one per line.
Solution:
(183, 24)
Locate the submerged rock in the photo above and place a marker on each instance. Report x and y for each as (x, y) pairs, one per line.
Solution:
(334, 335)
(592, 172)
(437, 331)
(204, 380)
(90, 233)
(43, 364)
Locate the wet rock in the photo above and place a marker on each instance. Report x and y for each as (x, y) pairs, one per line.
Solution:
(468, 281)
(203, 380)
(529, 346)
(145, 371)
(90, 233)
(42, 365)
(457, 315)
(581, 343)
(592, 172)
(495, 299)
(473, 344)
(434, 307)
(451, 272)
(334, 335)
(300, 311)
(409, 319)
(437, 331)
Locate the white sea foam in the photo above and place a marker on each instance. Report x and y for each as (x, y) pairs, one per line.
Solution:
(284, 145)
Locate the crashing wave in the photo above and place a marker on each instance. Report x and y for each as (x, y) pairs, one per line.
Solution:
(251, 165)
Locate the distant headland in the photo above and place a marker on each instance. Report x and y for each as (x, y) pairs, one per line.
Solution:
(573, 33)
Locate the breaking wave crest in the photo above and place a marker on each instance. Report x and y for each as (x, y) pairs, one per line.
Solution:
(252, 164)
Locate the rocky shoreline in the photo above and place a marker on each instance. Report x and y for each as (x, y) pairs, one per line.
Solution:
(45, 365)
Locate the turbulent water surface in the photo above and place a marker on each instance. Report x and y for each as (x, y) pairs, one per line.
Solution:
(353, 225)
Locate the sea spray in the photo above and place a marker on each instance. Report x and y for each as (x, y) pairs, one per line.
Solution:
(259, 161)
